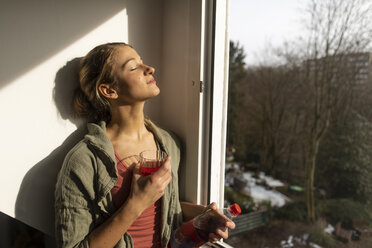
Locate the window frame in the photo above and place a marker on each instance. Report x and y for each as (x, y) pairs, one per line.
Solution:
(216, 67)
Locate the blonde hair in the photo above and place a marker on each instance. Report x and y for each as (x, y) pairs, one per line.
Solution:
(95, 69)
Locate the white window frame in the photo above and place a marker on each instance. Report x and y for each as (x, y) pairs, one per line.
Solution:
(195, 64)
(215, 65)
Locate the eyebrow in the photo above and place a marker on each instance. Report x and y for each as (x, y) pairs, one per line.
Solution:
(122, 66)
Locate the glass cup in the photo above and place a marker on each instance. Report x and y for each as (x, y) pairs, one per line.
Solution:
(150, 161)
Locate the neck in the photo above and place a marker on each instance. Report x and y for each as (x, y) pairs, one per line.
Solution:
(127, 121)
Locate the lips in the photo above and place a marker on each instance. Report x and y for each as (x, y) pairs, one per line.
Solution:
(152, 81)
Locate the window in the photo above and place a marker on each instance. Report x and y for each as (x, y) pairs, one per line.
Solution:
(299, 125)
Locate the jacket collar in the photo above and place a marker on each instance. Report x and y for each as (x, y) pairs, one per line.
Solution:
(97, 137)
(157, 132)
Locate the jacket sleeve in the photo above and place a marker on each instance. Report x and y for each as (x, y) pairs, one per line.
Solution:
(74, 214)
(71, 226)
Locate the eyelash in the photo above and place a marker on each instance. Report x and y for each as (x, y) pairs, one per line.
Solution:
(133, 68)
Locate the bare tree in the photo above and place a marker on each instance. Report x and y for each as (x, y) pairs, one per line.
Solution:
(269, 107)
(337, 30)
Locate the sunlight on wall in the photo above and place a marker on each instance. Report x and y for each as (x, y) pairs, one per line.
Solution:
(31, 127)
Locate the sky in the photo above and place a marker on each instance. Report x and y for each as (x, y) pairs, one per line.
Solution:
(255, 24)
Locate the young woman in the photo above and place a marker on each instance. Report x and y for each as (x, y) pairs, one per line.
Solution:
(101, 200)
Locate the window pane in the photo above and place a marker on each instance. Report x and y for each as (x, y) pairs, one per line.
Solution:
(299, 131)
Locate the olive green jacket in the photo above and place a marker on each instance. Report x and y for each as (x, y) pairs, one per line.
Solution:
(83, 198)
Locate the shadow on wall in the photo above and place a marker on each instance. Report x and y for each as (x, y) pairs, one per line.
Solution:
(36, 30)
(35, 199)
(66, 82)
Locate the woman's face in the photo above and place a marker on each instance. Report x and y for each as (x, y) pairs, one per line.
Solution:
(135, 79)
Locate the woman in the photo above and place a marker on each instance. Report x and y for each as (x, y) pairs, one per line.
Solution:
(101, 201)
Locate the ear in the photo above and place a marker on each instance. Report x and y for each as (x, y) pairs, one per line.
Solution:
(107, 91)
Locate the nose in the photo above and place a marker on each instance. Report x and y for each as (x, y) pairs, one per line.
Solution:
(149, 70)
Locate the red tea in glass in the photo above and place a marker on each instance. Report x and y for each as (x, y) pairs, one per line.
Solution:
(151, 161)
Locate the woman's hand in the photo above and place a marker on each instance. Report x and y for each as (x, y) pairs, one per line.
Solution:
(146, 190)
(219, 232)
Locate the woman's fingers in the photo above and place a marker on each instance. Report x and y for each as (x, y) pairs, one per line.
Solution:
(212, 206)
(165, 168)
(213, 238)
(135, 168)
(135, 171)
(221, 232)
(230, 224)
(159, 180)
(150, 188)
(163, 176)
(224, 234)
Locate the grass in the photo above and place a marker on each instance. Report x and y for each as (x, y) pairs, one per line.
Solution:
(279, 231)
(344, 210)
(318, 236)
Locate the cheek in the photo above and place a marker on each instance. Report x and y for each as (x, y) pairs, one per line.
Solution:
(131, 86)
(127, 83)
(133, 80)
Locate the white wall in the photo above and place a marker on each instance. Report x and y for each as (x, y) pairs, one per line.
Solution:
(40, 41)
(181, 65)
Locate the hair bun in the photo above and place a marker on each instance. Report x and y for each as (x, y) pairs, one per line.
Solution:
(81, 105)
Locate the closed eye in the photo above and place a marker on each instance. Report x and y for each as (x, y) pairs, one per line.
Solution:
(135, 66)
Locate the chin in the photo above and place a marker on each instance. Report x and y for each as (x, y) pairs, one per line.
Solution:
(156, 92)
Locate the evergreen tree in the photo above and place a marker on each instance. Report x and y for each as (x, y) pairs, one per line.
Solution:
(346, 160)
(235, 132)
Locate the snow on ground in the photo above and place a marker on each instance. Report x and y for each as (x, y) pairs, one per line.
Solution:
(293, 241)
(263, 178)
(253, 187)
(271, 181)
(329, 229)
(260, 193)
